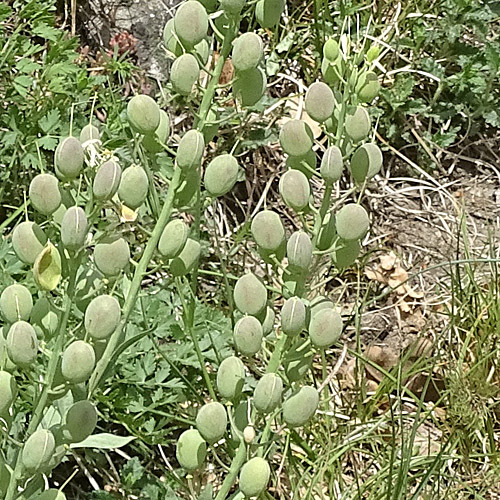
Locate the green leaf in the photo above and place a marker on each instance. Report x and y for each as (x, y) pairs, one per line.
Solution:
(47, 32)
(50, 120)
(104, 441)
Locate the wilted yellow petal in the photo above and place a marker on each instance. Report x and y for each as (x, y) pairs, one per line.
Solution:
(47, 268)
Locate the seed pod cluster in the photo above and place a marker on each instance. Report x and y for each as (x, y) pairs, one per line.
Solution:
(250, 79)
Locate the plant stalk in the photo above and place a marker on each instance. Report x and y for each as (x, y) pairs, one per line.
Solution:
(51, 371)
(135, 286)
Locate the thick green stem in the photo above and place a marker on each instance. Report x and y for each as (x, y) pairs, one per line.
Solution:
(238, 461)
(51, 371)
(135, 286)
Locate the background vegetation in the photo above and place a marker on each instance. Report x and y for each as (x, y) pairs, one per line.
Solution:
(398, 426)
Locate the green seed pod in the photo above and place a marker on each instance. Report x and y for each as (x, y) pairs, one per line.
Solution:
(186, 261)
(346, 253)
(332, 165)
(268, 321)
(240, 418)
(52, 494)
(74, 228)
(300, 408)
(295, 190)
(133, 188)
(366, 162)
(81, 421)
(249, 434)
(268, 256)
(327, 233)
(184, 74)
(191, 450)
(102, 316)
(318, 304)
(190, 180)
(373, 53)
(332, 71)
(8, 365)
(28, 241)
(298, 361)
(170, 39)
(296, 138)
(107, 180)
(16, 303)
(357, 124)
(306, 164)
(248, 50)
(249, 86)
(267, 230)
(368, 87)
(250, 295)
(352, 222)
(22, 343)
(293, 316)
(68, 158)
(268, 12)
(4, 476)
(231, 377)
(248, 335)
(267, 393)
(191, 23)
(254, 475)
(112, 258)
(47, 268)
(211, 128)
(8, 391)
(331, 50)
(44, 193)
(38, 450)
(89, 133)
(232, 8)
(43, 316)
(320, 102)
(190, 150)
(202, 52)
(221, 175)
(78, 362)
(211, 422)
(143, 114)
(173, 238)
(299, 250)
(325, 328)
(153, 143)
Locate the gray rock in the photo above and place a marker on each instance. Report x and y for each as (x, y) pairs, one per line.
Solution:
(101, 20)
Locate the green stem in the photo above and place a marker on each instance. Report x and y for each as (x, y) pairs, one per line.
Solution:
(238, 461)
(51, 370)
(135, 286)
(206, 102)
(188, 325)
(205, 106)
